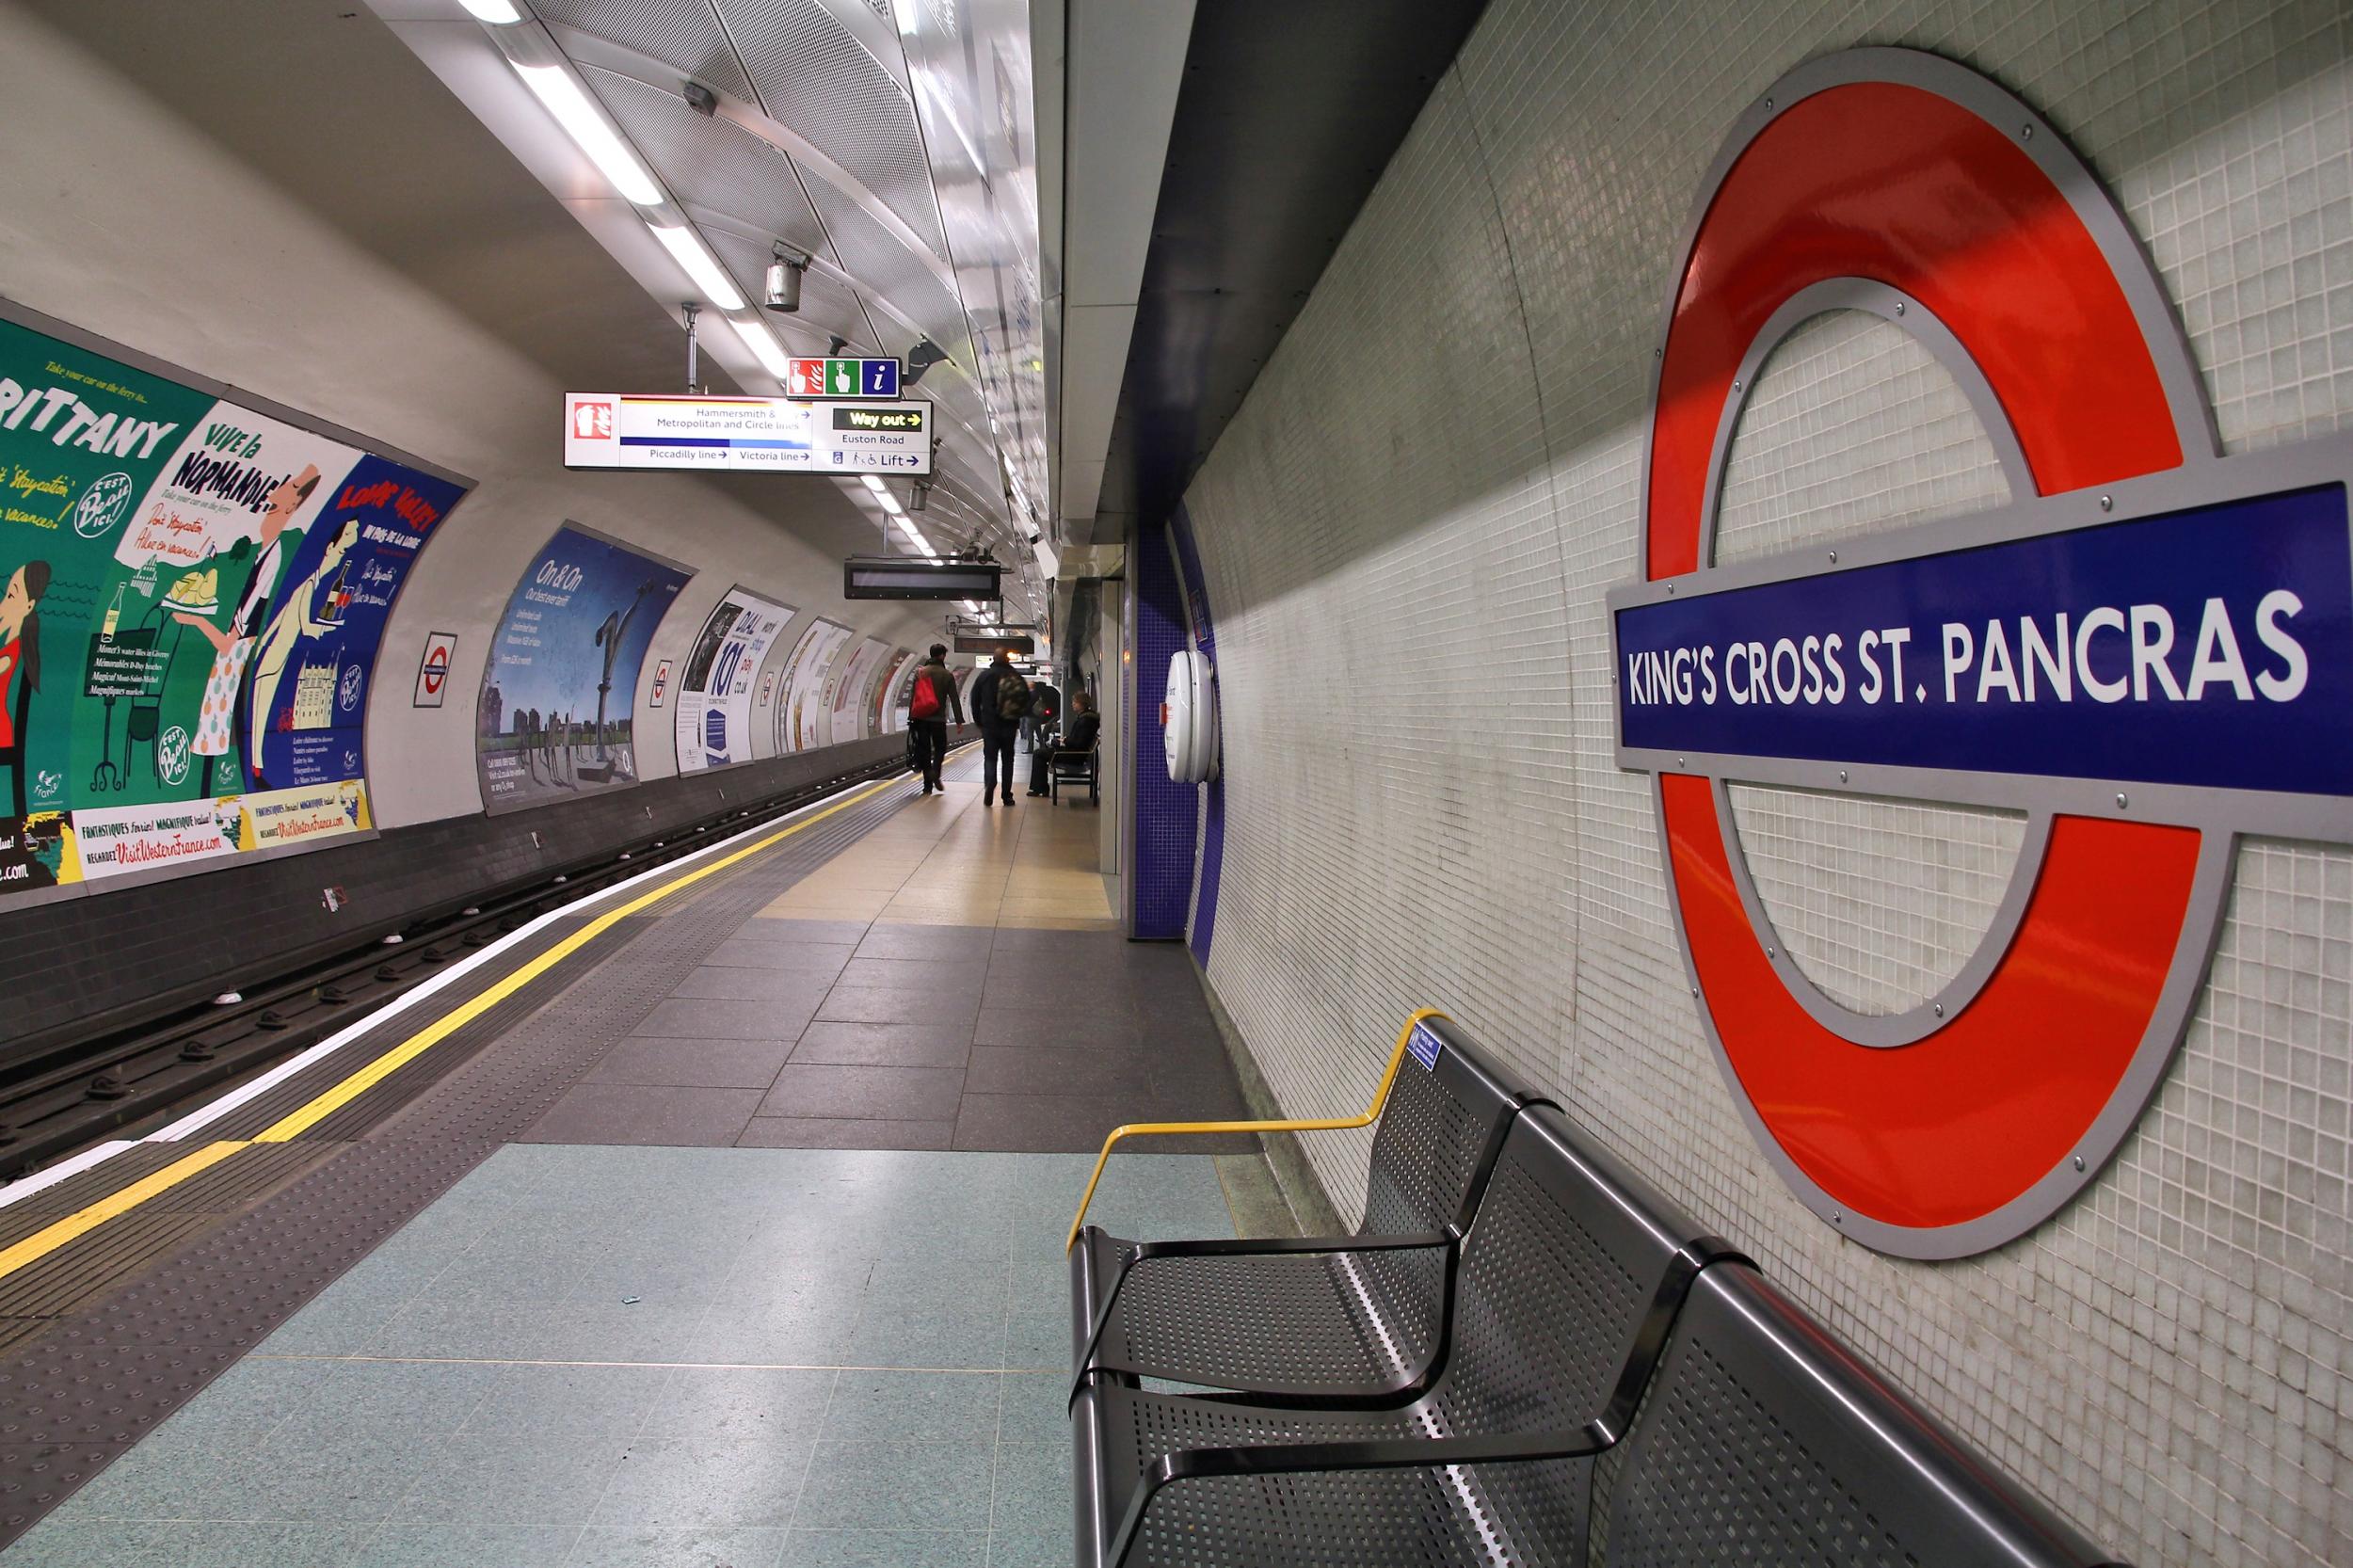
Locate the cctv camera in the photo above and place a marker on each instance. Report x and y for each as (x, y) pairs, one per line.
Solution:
(1036, 536)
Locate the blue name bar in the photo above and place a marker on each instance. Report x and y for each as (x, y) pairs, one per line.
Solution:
(2211, 647)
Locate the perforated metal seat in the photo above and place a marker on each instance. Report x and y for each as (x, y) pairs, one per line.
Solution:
(1766, 1440)
(1323, 1318)
(1569, 1277)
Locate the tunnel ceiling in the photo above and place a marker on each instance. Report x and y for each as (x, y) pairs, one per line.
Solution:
(1288, 115)
(901, 165)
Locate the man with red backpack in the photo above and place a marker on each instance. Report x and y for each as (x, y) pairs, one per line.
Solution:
(930, 700)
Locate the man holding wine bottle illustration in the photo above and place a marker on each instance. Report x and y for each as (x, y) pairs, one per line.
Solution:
(229, 687)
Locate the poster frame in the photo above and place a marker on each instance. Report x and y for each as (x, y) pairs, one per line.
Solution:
(17, 313)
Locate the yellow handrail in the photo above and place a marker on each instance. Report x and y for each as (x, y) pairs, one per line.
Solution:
(1153, 1130)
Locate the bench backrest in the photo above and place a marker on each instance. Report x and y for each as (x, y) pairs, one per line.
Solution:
(1433, 1144)
(1766, 1440)
(1570, 1276)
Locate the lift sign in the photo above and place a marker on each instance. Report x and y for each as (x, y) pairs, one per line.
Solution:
(2210, 646)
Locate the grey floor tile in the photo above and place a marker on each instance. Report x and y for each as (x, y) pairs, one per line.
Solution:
(898, 1004)
(772, 928)
(886, 940)
(1037, 1316)
(638, 1546)
(1033, 1488)
(916, 1407)
(958, 1335)
(894, 1093)
(698, 1063)
(58, 1543)
(723, 1019)
(1040, 1123)
(816, 961)
(774, 1336)
(1034, 1406)
(548, 1477)
(899, 1486)
(525, 1399)
(884, 1045)
(400, 1543)
(804, 981)
(1017, 1070)
(1043, 1547)
(741, 1404)
(1072, 1028)
(932, 973)
(680, 1482)
(837, 1548)
(252, 1396)
(641, 1114)
(412, 1398)
(823, 1133)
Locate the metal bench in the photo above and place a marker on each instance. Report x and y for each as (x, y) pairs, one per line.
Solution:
(1327, 1320)
(1569, 1278)
(1069, 766)
(1766, 1440)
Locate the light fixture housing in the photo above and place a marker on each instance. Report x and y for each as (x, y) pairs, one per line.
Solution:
(919, 359)
(784, 283)
(919, 495)
(586, 125)
(686, 248)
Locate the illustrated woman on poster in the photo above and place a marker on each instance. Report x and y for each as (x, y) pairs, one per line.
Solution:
(20, 664)
(232, 647)
(302, 614)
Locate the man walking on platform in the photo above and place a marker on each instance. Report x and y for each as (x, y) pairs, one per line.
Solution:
(1000, 698)
(930, 700)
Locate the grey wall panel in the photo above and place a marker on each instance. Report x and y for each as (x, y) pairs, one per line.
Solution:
(1408, 531)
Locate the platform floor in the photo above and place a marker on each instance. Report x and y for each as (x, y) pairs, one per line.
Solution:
(778, 1279)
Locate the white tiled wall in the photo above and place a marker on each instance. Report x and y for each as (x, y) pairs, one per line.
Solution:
(1422, 806)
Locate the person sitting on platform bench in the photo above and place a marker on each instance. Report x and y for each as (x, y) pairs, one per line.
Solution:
(1077, 739)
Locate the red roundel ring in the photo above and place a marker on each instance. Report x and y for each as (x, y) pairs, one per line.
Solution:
(1897, 170)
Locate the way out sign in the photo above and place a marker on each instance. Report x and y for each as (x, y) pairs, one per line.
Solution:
(433, 668)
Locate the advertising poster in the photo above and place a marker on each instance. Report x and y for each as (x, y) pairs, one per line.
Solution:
(845, 693)
(557, 697)
(801, 711)
(890, 709)
(714, 701)
(192, 601)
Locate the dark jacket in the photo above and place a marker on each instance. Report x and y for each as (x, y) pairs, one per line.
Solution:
(984, 702)
(1078, 735)
(950, 700)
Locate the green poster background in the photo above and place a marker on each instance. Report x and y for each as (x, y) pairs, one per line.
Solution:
(83, 439)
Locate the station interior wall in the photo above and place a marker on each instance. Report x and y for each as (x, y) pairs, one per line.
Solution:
(1407, 533)
(123, 218)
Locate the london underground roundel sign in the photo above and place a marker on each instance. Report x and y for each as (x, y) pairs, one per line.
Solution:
(2148, 651)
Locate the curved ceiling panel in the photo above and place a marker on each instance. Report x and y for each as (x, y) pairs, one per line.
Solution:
(873, 255)
(709, 162)
(686, 33)
(809, 73)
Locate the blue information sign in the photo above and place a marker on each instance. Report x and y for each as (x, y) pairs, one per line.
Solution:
(2209, 647)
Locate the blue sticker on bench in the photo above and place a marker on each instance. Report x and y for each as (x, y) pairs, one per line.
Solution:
(1425, 1046)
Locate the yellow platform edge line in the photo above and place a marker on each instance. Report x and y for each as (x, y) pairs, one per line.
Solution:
(56, 1234)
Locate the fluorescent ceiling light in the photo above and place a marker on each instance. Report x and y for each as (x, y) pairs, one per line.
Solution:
(905, 11)
(686, 248)
(872, 482)
(760, 342)
(916, 538)
(586, 124)
(889, 502)
(496, 12)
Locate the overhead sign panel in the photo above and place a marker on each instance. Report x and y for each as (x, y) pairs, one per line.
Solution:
(746, 435)
(829, 379)
(912, 576)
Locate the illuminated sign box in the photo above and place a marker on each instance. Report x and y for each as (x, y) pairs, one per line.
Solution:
(1012, 642)
(746, 434)
(909, 577)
